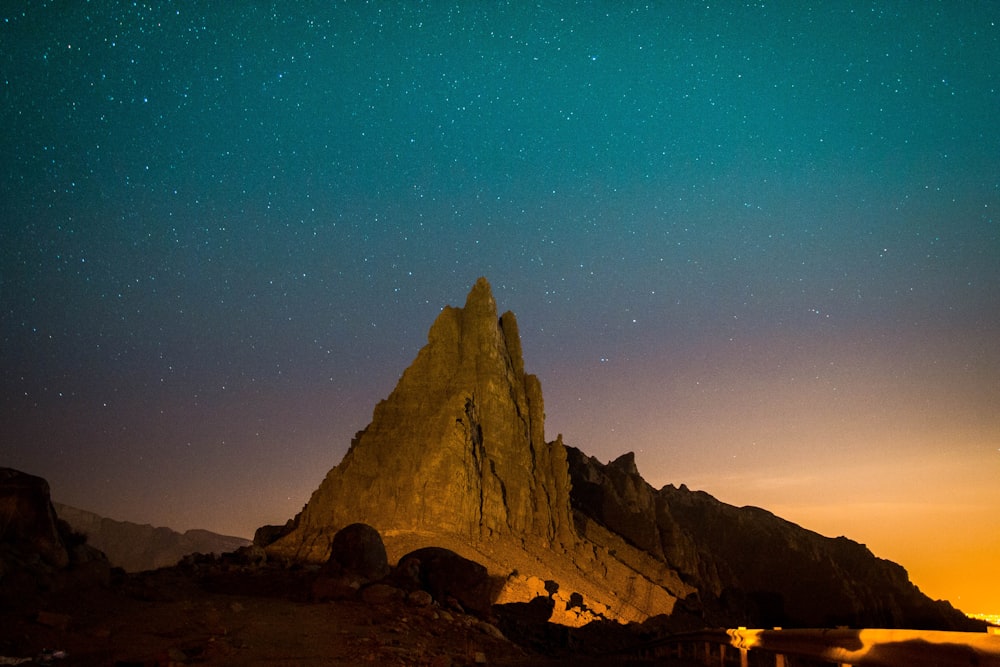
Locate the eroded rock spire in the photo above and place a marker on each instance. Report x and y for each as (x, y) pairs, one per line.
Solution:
(458, 447)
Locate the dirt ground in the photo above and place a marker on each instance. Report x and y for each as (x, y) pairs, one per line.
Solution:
(170, 617)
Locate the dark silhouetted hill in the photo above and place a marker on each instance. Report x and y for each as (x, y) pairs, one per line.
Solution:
(137, 547)
(751, 567)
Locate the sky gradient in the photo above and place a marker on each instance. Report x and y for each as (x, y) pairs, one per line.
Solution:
(755, 243)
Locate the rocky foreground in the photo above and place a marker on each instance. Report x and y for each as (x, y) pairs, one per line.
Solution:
(238, 609)
(61, 602)
(223, 613)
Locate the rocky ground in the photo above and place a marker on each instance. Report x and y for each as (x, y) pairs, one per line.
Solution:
(62, 603)
(250, 616)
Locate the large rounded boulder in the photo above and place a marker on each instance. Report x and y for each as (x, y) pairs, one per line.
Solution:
(358, 549)
(447, 576)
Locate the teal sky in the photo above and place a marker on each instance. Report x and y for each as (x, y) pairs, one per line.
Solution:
(754, 242)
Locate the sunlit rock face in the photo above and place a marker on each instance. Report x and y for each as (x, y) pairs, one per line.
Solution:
(458, 447)
(456, 457)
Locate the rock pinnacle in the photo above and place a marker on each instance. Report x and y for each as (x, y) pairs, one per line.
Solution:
(458, 447)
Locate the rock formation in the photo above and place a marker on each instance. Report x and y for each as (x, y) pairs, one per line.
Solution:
(446, 575)
(39, 552)
(358, 549)
(136, 547)
(27, 518)
(751, 567)
(456, 458)
(457, 448)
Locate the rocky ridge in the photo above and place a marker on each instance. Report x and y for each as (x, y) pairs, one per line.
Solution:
(455, 457)
(137, 547)
(751, 567)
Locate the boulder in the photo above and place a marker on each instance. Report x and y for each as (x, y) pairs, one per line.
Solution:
(358, 549)
(449, 577)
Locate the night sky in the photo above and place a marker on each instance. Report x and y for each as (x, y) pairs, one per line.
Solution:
(756, 243)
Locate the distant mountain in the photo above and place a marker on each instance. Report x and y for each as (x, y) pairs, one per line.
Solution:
(456, 457)
(137, 547)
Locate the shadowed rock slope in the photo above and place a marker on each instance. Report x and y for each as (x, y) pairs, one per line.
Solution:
(751, 567)
(455, 457)
(39, 553)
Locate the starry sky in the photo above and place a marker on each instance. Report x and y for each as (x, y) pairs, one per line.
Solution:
(755, 243)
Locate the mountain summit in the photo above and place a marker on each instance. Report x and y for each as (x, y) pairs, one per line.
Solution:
(456, 457)
(458, 447)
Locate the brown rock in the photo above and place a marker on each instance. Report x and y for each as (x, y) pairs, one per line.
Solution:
(750, 567)
(39, 553)
(520, 588)
(446, 575)
(381, 594)
(53, 620)
(420, 598)
(27, 518)
(358, 549)
(458, 447)
(456, 456)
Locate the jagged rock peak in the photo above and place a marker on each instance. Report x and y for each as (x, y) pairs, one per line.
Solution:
(457, 447)
(480, 298)
(626, 464)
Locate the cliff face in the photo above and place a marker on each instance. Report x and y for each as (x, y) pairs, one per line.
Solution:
(137, 547)
(457, 448)
(27, 518)
(38, 552)
(751, 567)
(456, 457)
